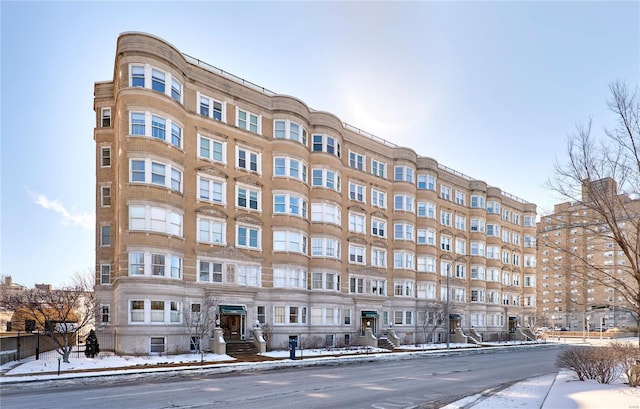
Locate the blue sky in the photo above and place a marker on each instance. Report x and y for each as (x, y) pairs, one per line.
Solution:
(490, 89)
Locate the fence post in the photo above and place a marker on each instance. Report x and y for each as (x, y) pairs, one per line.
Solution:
(38, 346)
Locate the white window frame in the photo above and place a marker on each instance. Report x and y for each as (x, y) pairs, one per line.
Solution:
(212, 143)
(248, 121)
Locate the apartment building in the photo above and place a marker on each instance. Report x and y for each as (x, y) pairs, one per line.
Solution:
(209, 185)
(577, 252)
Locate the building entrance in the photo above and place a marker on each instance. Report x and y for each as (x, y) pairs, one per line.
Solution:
(233, 320)
(369, 320)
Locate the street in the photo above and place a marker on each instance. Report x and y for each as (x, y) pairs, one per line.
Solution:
(430, 380)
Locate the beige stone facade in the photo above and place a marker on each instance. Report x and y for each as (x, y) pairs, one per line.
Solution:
(208, 185)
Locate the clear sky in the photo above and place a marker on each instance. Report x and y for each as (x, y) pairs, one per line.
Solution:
(491, 89)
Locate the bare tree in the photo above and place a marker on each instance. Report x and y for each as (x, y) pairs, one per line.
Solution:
(60, 314)
(434, 318)
(601, 179)
(200, 319)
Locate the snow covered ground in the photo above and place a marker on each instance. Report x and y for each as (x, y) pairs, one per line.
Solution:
(563, 391)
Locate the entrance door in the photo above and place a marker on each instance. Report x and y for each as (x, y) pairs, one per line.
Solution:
(369, 322)
(232, 327)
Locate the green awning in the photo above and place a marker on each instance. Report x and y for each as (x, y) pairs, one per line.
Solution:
(233, 309)
(455, 316)
(369, 314)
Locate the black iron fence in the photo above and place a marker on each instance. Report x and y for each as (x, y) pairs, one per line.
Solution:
(18, 346)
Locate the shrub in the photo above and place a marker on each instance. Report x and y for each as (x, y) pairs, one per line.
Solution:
(600, 364)
(628, 356)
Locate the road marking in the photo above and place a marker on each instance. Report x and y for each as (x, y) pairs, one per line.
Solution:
(137, 393)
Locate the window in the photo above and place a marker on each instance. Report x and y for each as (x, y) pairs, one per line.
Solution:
(105, 313)
(286, 203)
(105, 157)
(445, 218)
(137, 75)
(325, 316)
(461, 246)
(477, 272)
(445, 243)
(105, 117)
(211, 230)
(105, 196)
(356, 254)
(529, 221)
(325, 281)
(403, 260)
(248, 160)
(248, 121)
(426, 290)
(136, 308)
(157, 80)
(289, 241)
(248, 198)
(156, 219)
(506, 257)
(445, 192)
(427, 209)
(493, 230)
(209, 272)
(426, 236)
(356, 160)
(378, 228)
(154, 126)
(212, 190)
(515, 218)
(477, 248)
(477, 295)
(248, 237)
(325, 247)
(477, 202)
(426, 264)
(289, 167)
(477, 225)
(460, 271)
(461, 223)
(212, 149)
(357, 192)
(460, 198)
(378, 198)
(290, 277)
(105, 235)
(403, 202)
(403, 317)
(325, 178)
(285, 129)
(506, 236)
(176, 90)
(326, 212)
(356, 223)
(403, 174)
(105, 273)
(493, 252)
(211, 108)
(157, 311)
(403, 288)
(356, 285)
(403, 231)
(378, 258)
(249, 275)
(326, 143)
(493, 207)
(261, 314)
(427, 182)
(155, 173)
(506, 215)
(155, 264)
(156, 345)
(378, 168)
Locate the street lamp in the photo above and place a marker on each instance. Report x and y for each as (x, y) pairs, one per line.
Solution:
(446, 311)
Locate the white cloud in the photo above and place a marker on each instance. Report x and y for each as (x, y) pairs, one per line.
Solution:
(71, 217)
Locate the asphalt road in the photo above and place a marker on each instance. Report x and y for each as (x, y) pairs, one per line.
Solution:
(429, 381)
